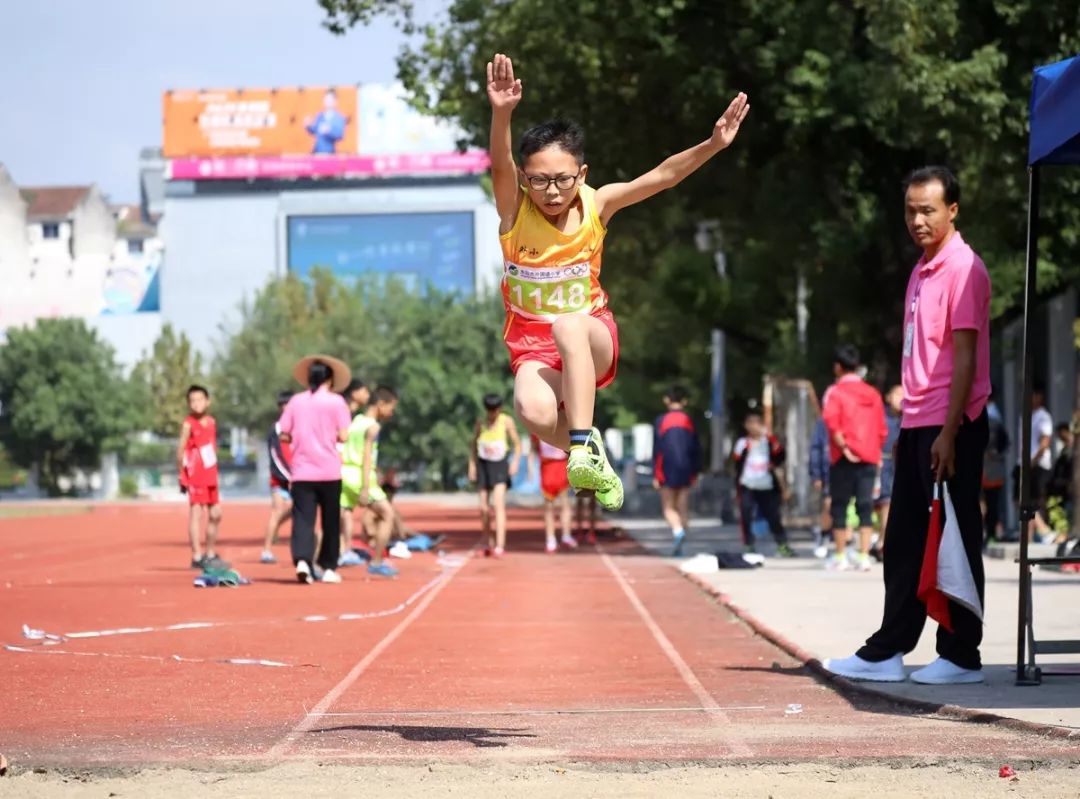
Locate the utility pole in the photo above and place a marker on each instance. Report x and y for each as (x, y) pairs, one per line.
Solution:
(708, 238)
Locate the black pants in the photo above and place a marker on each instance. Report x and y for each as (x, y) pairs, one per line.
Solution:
(324, 495)
(905, 544)
(847, 480)
(768, 505)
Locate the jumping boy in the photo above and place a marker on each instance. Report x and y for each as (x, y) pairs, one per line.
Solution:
(196, 460)
(493, 462)
(280, 498)
(562, 338)
(555, 487)
(360, 479)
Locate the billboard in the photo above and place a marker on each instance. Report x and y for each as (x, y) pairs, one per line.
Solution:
(318, 120)
(419, 249)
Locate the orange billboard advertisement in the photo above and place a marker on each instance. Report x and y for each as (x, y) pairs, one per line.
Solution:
(290, 121)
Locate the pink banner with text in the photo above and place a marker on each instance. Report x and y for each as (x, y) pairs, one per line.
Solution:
(314, 166)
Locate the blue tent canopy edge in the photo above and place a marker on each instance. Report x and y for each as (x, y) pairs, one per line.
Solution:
(1055, 114)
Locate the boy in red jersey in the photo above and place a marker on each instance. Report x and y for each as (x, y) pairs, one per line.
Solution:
(196, 459)
(562, 338)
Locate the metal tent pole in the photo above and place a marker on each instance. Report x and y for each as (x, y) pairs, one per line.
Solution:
(1024, 676)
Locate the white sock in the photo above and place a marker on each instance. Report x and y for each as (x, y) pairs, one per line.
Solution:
(677, 533)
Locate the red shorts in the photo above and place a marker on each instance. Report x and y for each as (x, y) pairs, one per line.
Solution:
(203, 495)
(553, 479)
(529, 340)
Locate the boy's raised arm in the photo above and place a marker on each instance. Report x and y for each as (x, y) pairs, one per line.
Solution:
(504, 92)
(615, 196)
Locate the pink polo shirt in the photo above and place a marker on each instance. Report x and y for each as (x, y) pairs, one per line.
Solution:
(313, 420)
(951, 292)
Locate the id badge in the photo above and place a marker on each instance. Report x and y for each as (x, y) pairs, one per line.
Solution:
(208, 456)
(909, 338)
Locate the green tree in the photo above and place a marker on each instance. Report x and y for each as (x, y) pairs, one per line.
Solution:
(847, 96)
(162, 378)
(63, 399)
(441, 352)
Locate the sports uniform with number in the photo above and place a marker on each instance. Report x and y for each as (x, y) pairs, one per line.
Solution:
(200, 473)
(548, 274)
(352, 465)
(493, 453)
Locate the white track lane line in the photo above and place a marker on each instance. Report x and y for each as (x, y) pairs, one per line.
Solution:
(312, 717)
(710, 705)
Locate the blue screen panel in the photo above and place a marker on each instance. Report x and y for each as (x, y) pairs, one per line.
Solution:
(418, 249)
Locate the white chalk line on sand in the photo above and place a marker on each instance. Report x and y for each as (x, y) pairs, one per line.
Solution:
(32, 634)
(312, 716)
(708, 704)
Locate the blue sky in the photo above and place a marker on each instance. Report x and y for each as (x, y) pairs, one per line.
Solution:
(83, 79)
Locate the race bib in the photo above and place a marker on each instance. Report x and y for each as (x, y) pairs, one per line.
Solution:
(208, 456)
(492, 450)
(548, 292)
(909, 338)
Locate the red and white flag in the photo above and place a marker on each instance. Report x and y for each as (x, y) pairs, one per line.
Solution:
(946, 573)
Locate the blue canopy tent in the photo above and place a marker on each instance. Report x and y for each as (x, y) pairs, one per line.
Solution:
(1054, 141)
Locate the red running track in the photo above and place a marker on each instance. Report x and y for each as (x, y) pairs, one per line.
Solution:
(602, 655)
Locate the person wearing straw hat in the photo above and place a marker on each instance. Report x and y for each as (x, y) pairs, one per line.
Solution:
(314, 422)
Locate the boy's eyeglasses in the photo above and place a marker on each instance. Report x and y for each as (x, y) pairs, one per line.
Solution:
(562, 182)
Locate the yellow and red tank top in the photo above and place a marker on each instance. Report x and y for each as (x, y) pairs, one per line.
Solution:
(548, 273)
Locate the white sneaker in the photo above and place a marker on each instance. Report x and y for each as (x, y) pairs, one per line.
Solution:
(569, 542)
(855, 668)
(267, 557)
(821, 552)
(331, 576)
(303, 572)
(945, 672)
(865, 564)
(837, 563)
(400, 550)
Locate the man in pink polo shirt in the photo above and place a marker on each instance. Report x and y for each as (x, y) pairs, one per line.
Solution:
(314, 422)
(946, 379)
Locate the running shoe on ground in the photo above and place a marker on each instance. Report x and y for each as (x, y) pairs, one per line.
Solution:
(350, 558)
(330, 576)
(382, 570)
(303, 572)
(785, 551)
(267, 557)
(679, 542)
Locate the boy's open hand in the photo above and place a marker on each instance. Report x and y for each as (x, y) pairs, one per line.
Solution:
(727, 126)
(503, 90)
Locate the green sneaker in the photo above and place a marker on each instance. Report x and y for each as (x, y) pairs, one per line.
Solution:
(587, 469)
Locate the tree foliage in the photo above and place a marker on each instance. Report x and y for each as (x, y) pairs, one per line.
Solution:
(441, 352)
(64, 399)
(847, 96)
(162, 378)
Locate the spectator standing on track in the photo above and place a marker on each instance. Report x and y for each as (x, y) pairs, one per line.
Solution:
(854, 415)
(196, 460)
(493, 462)
(758, 458)
(676, 464)
(1060, 486)
(280, 498)
(314, 422)
(555, 486)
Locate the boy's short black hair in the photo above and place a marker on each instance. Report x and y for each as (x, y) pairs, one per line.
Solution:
(753, 413)
(1063, 426)
(383, 394)
(492, 401)
(284, 396)
(928, 174)
(354, 385)
(847, 355)
(677, 394)
(562, 133)
(1038, 387)
(195, 387)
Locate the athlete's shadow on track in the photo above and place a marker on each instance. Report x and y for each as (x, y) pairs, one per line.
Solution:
(477, 736)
